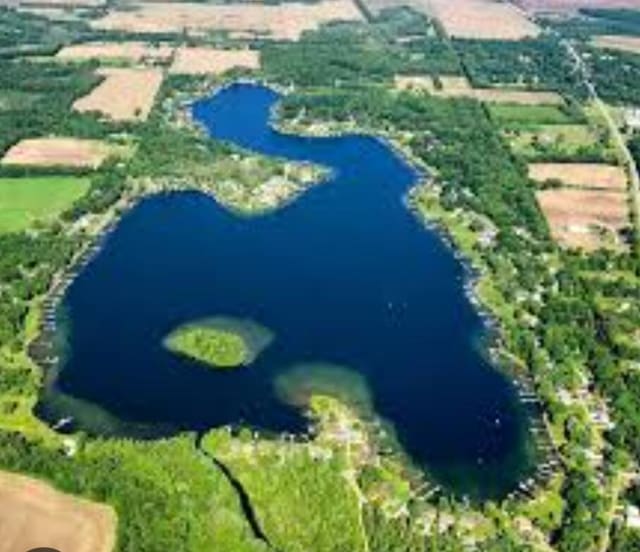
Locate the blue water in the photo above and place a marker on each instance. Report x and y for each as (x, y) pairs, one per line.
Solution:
(345, 274)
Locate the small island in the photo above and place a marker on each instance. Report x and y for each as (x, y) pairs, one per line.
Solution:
(219, 342)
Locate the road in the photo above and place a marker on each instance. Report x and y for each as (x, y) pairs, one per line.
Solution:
(625, 155)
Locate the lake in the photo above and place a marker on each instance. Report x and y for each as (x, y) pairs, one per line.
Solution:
(345, 275)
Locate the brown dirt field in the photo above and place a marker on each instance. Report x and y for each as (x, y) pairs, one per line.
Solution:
(593, 176)
(573, 5)
(202, 60)
(130, 51)
(279, 21)
(623, 43)
(584, 218)
(34, 514)
(58, 152)
(482, 19)
(124, 95)
(459, 87)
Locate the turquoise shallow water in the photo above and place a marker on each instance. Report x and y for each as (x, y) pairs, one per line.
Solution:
(344, 275)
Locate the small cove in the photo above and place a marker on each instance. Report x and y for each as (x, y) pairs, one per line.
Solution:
(344, 275)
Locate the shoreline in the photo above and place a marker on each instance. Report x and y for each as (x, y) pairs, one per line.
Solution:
(472, 274)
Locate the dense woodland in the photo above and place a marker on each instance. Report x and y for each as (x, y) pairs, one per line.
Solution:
(36, 98)
(616, 75)
(360, 54)
(533, 63)
(592, 21)
(26, 34)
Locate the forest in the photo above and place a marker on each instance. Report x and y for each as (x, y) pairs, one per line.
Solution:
(537, 64)
(597, 21)
(359, 54)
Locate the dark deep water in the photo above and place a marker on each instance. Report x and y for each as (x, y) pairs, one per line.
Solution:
(345, 275)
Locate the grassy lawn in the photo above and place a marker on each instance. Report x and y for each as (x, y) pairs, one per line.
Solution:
(24, 201)
(511, 115)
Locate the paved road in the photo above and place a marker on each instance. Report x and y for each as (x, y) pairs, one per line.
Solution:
(618, 138)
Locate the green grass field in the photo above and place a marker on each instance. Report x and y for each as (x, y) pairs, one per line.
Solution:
(522, 115)
(24, 201)
(559, 141)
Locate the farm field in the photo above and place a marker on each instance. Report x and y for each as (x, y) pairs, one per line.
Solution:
(483, 19)
(24, 201)
(574, 5)
(459, 87)
(34, 514)
(203, 60)
(278, 21)
(593, 176)
(584, 218)
(507, 115)
(133, 51)
(125, 94)
(58, 152)
(622, 43)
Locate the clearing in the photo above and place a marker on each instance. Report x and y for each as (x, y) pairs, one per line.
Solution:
(513, 115)
(586, 219)
(556, 141)
(34, 514)
(593, 176)
(58, 152)
(24, 201)
(133, 51)
(459, 87)
(124, 95)
(613, 42)
(482, 19)
(285, 21)
(203, 60)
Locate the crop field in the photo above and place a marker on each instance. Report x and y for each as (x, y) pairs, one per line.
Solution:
(58, 152)
(574, 5)
(203, 60)
(593, 176)
(128, 51)
(24, 201)
(285, 21)
(622, 43)
(517, 115)
(124, 95)
(34, 515)
(459, 87)
(483, 19)
(584, 218)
